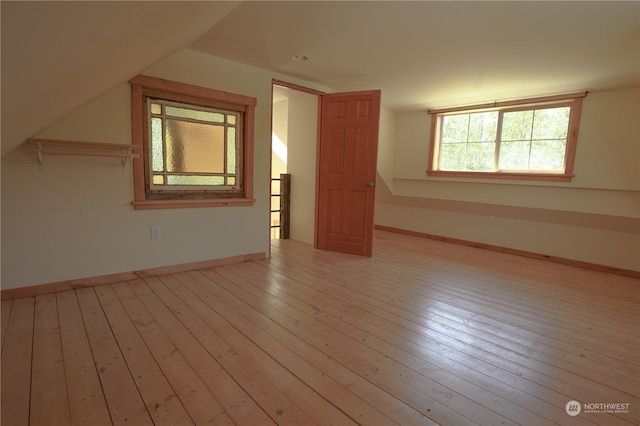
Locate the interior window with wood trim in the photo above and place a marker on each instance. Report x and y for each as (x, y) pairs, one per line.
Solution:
(197, 145)
(526, 139)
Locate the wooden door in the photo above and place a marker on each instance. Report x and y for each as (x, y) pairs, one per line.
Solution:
(347, 172)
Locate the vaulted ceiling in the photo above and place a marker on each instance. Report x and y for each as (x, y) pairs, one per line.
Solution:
(422, 54)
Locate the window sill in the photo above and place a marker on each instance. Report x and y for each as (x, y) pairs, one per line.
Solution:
(186, 204)
(559, 177)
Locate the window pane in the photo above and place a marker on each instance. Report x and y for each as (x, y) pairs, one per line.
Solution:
(194, 147)
(158, 179)
(516, 126)
(193, 114)
(483, 127)
(157, 160)
(455, 128)
(551, 123)
(514, 156)
(156, 109)
(480, 156)
(194, 180)
(231, 119)
(231, 180)
(547, 155)
(231, 150)
(452, 156)
(275, 186)
(275, 219)
(275, 203)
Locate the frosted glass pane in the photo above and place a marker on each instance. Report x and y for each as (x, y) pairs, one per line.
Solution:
(158, 179)
(231, 180)
(195, 180)
(194, 147)
(231, 119)
(231, 150)
(213, 117)
(156, 145)
(156, 109)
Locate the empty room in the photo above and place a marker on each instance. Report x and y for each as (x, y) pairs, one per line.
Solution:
(320, 212)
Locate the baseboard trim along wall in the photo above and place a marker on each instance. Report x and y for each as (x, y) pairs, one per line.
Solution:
(554, 259)
(15, 293)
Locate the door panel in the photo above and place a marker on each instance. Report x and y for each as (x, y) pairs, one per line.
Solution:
(347, 171)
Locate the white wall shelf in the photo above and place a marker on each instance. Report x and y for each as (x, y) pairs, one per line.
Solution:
(80, 148)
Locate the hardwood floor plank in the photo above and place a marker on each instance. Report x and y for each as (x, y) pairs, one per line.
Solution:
(445, 304)
(373, 370)
(87, 405)
(16, 363)
(5, 312)
(160, 399)
(299, 404)
(346, 316)
(525, 359)
(248, 375)
(233, 401)
(422, 333)
(244, 388)
(123, 399)
(350, 285)
(196, 398)
(49, 402)
(357, 409)
(286, 334)
(382, 336)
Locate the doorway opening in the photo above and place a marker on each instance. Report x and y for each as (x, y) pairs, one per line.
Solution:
(294, 141)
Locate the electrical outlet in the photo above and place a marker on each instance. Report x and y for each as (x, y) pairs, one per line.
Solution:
(539, 230)
(155, 232)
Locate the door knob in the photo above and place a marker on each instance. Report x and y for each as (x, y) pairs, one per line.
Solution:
(371, 184)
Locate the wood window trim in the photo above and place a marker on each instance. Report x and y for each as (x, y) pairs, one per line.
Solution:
(574, 100)
(140, 87)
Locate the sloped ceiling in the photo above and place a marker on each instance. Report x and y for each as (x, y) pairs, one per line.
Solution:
(56, 56)
(428, 54)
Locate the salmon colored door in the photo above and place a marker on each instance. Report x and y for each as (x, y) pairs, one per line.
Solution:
(347, 172)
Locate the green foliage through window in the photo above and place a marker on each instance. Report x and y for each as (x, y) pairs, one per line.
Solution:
(520, 140)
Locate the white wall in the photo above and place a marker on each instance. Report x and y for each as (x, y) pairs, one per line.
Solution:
(280, 130)
(595, 218)
(386, 146)
(74, 219)
(302, 164)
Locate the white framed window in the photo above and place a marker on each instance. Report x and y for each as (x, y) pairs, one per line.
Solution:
(528, 139)
(197, 145)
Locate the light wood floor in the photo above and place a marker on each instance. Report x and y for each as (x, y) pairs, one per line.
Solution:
(423, 332)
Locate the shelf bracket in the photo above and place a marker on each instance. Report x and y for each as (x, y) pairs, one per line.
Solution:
(40, 157)
(125, 160)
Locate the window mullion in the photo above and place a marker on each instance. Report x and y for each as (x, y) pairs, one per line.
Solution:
(466, 150)
(496, 157)
(165, 173)
(533, 122)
